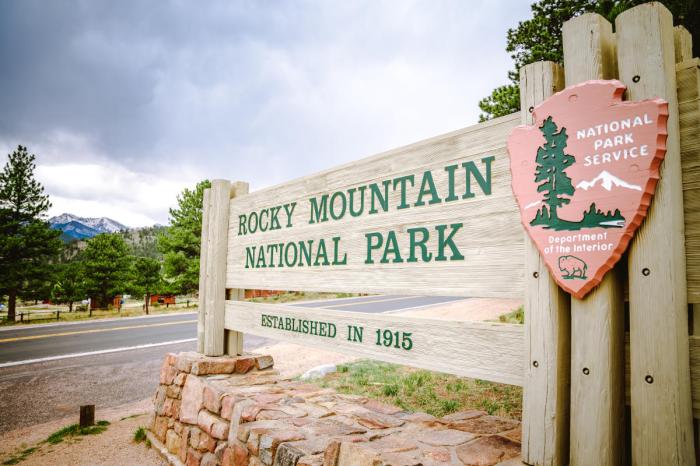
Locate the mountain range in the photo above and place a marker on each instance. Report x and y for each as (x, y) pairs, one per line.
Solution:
(607, 181)
(77, 228)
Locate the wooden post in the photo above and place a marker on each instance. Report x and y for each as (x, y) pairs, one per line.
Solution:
(547, 324)
(203, 269)
(233, 341)
(662, 426)
(597, 322)
(87, 415)
(215, 240)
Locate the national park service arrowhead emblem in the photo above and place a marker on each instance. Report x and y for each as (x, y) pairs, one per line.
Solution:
(584, 175)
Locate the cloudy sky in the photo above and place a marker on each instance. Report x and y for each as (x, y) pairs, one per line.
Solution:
(125, 103)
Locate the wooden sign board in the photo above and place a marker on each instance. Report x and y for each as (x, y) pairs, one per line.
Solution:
(437, 218)
(483, 350)
(584, 176)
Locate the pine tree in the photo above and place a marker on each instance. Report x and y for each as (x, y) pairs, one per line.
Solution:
(106, 267)
(27, 242)
(552, 162)
(146, 278)
(180, 244)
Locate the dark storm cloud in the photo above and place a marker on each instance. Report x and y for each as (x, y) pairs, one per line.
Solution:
(261, 91)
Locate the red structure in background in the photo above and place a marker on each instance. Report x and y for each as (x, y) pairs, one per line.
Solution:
(163, 299)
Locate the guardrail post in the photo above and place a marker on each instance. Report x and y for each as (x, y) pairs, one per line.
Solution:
(215, 213)
(597, 369)
(662, 422)
(547, 321)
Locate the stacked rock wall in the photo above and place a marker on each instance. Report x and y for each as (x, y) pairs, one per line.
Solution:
(237, 411)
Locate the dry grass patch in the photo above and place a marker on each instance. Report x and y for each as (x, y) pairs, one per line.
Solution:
(425, 391)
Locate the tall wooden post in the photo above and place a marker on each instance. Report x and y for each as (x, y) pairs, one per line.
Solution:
(547, 324)
(215, 244)
(662, 425)
(233, 341)
(597, 322)
(203, 269)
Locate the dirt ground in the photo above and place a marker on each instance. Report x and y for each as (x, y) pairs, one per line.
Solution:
(116, 445)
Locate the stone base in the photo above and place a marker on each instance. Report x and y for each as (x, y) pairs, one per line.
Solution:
(238, 411)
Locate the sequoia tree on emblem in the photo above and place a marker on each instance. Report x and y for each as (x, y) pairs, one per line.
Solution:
(583, 176)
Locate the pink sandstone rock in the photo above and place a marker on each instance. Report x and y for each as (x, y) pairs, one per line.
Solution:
(462, 416)
(184, 440)
(310, 460)
(244, 364)
(383, 408)
(485, 425)
(487, 451)
(214, 366)
(194, 457)
(180, 379)
(212, 425)
(160, 427)
(437, 455)
(271, 440)
(192, 400)
(212, 399)
(167, 373)
(446, 437)
(209, 459)
(173, 391)
(227, 404)
(172, 442)
(378, 421)
(264, 362)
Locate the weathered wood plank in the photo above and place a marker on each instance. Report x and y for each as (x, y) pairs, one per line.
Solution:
(662, 429)
(201, 321)
(233, 340)
(597, 322)
(487, 351)
(490, 239)
(215, 267)
(547, 325)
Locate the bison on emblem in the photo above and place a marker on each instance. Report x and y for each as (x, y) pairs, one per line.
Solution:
(572, 267)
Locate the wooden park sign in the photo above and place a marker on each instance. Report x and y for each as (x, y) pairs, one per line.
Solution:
(584, 176)
(440, 217)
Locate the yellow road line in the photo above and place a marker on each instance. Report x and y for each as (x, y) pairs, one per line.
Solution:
(333, 306)
(94, 330)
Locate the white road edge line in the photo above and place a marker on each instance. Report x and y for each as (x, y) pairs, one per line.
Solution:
(93, 321)
(92, 353)
(398, 311)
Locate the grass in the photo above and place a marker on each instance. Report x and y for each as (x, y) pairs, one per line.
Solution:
(73, 431)
(514, 317)
(140, 435)
(21, 456)
(424, 391)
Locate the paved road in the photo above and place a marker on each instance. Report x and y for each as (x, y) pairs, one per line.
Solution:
(53, 388)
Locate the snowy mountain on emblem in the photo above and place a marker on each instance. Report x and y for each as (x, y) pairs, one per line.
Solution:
(607, 181)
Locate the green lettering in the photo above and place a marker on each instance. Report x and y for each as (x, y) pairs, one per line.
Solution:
(321, 252)
(382, 199)
(370, 246)
(428, 187)
(402, 180)
(451, 183)
(351, 194)
(484, 183)
(414, 243)
(392, 247)
(338, 195)
(319, 212)
(448, 241)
